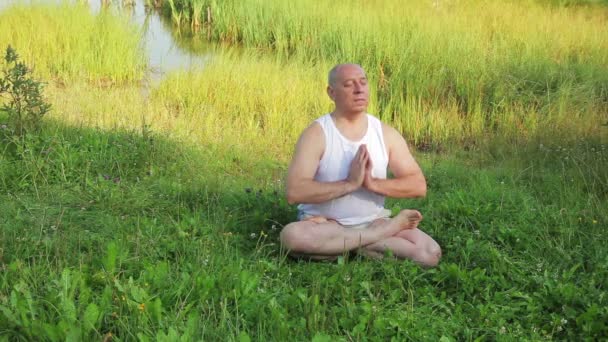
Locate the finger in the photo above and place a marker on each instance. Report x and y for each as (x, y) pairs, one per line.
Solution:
(365, 159)
(358, 154)
(364, 152)
(361, 155)
(364, 148)
(361, 148)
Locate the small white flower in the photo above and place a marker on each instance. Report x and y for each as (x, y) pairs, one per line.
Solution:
(503, 330)
(252, 235)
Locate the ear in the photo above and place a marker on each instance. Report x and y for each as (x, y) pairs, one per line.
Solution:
(330, 93)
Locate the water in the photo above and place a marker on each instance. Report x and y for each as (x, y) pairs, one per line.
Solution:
(167, 50)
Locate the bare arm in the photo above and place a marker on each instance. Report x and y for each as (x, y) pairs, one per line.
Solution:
(408, 181)
(301, 186)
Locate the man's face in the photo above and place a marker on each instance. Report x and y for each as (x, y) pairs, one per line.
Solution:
(350, 91)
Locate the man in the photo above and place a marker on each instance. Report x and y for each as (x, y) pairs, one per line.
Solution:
(338, 175)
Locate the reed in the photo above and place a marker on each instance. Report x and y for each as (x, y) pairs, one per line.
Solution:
(466, 68)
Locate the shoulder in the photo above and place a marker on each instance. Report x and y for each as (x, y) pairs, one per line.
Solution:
(312, 140)
(314, 131)
(387, 130)
(391, 135)
(317, 128)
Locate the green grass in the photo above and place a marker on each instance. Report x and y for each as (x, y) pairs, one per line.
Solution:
(154, 215)
(443, 70)
(97, 223)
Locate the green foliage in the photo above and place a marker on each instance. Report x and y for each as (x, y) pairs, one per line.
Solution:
(26, 106)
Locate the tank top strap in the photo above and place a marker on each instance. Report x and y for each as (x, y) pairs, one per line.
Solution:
(325, 124)
(375, 129)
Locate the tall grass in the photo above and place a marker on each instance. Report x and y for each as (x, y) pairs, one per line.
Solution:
(244, 100)
(70, 43)
(497, 66)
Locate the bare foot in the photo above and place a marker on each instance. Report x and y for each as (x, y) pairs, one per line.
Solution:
(406, 219)
(409, 219)
(316, 219)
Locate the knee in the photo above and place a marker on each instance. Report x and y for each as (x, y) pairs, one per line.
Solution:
(296, 237)
(432, 255)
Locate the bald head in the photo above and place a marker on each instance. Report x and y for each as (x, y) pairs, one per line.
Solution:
(334, 73)
(348, 88)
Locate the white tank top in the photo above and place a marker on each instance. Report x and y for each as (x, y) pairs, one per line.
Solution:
(359, 206)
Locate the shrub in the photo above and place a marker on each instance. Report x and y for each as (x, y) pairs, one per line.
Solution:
(25, 106)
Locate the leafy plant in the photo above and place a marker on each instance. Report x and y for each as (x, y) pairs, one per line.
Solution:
(26, 106)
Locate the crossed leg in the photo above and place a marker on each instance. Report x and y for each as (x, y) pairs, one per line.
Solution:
(320, 238)
(413, 244)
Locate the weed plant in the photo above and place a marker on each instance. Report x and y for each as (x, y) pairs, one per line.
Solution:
(25, 105)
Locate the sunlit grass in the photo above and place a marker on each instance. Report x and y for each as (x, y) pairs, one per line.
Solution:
(68, 43)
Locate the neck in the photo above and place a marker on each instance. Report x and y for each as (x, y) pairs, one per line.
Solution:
(353, 127)
(348, 117)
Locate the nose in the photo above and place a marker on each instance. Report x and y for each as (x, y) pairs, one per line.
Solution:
(358, 87)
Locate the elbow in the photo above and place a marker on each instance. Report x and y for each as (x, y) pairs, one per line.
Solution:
(291, 197)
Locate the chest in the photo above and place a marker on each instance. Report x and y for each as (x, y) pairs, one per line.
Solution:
(339, 154)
